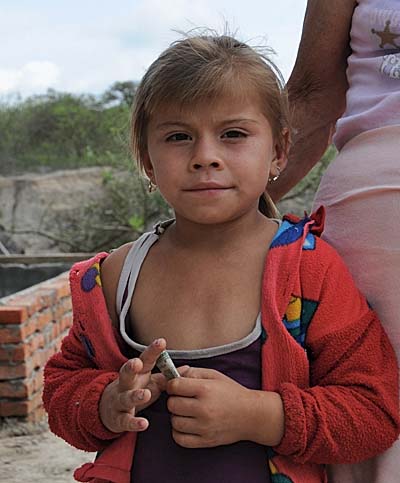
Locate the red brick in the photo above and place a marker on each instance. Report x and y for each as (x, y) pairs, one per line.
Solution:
(44, 318)
(58, 311)
(14, 352)
(46, 354)
(58, 344)
(61, 287)
(36, 360)
(37, 415)
(12, 390)
(36, 341)
(14, 371)
(22, 351)
(38, 380)
(22, 388)
(13, 315)
(66, 321)
(20, 408)
(30, 301)
(10, 334)
(17, 333)
(4, 353)
(67, 304)
(47, 297)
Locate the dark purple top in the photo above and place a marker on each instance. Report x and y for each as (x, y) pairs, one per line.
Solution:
(158, 459)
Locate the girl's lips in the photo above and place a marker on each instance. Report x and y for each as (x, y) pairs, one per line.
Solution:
(207, 192)
(208, 186)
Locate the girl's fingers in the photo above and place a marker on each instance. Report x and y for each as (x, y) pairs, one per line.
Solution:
(186, 386)
(184, 425)
(158, 383)
(127, 422)
(202, 373)
(130, 399)
(128, 373)
(150, 355)
(182, 406)
(183, 370)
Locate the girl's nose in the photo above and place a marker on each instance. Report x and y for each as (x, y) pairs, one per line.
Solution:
(206, 164)
(206, 156)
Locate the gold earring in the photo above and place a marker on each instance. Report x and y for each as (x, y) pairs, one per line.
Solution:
(274, 178)
(151, 187)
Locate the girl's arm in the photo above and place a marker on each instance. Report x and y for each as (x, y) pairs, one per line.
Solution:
(317, 87)
(72, 391)
(88, 406)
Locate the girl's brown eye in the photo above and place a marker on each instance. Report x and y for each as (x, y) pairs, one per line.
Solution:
(234, 134)
(179, 136)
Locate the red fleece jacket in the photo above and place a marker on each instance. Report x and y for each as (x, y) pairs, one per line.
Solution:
(325, 353)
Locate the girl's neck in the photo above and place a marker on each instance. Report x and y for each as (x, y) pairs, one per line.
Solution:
(234, 234)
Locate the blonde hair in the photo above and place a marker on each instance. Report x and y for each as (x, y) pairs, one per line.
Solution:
(204, 67)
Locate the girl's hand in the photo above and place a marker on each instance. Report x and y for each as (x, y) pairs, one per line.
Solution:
(135, 389)
(210, 409)
(207, 408)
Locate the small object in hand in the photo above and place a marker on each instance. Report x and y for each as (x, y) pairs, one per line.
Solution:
(166, 366)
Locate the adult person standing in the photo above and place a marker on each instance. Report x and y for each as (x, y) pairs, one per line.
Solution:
(346, 83)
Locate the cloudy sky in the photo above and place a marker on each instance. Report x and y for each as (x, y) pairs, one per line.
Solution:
(86, 45)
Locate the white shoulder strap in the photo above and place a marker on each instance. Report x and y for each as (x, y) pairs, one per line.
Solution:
(129, 275)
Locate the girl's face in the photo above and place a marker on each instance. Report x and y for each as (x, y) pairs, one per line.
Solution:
(212, 161)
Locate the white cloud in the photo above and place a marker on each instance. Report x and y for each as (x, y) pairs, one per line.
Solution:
(30, 77)
(86, 46)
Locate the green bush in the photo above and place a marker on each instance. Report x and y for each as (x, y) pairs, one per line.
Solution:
(61, 130)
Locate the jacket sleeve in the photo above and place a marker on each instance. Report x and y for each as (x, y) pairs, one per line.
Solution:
(350, 412)
(72, 391)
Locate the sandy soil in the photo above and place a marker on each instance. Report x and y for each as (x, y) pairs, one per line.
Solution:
(32, 454)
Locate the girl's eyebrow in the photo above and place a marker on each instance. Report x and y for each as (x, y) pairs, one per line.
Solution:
(169, 124)
(238, 121)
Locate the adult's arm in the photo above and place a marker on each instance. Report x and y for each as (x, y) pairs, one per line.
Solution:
(317, 87)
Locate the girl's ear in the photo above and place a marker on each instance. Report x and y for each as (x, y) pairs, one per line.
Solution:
(281, 153)
(148, 167)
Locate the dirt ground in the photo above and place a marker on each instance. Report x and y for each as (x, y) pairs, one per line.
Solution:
(32, 454)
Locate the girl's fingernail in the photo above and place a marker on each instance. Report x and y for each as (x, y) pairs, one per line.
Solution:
(140, 395)
(158, 342)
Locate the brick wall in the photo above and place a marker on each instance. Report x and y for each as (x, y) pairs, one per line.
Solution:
(32, 324)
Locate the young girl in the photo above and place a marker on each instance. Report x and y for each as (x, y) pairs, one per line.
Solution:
(284, 366)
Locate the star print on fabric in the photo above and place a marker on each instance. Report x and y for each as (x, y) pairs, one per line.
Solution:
(298, 316)
(386, 36)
